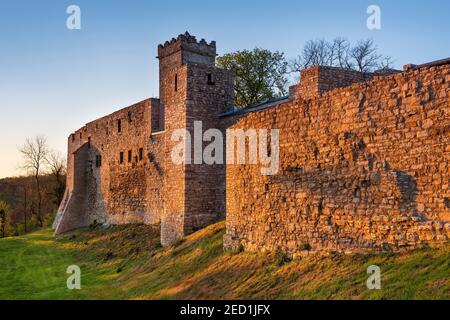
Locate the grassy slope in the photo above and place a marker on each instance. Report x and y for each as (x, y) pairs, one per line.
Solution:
(127, 262)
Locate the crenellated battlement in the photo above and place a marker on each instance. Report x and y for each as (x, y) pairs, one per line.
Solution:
(183, 50)
(189, 43)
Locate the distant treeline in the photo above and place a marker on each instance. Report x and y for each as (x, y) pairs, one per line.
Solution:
(30, 202)
(20, 196)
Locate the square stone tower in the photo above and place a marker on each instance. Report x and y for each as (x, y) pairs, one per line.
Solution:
(192, 90)
(181, 51)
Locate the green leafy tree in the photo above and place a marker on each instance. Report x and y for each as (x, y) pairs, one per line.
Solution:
(261, 75)
(4, 208)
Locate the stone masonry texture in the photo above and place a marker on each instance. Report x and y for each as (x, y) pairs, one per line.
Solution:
(364, 160)
(363, 167)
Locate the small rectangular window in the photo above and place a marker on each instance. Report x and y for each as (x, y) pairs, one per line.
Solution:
(176, 83)
(119, 125)
(81, 136)
(98, 161)
(210, 79)
(141, 154)
(121, 157)
(129, 116)
(130, 156)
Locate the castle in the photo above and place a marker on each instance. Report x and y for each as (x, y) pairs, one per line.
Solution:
(364, 159)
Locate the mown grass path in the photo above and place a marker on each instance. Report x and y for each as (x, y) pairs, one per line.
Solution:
(33, 267)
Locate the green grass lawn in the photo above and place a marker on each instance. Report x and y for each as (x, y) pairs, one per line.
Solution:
(32, 267)
(127, 262)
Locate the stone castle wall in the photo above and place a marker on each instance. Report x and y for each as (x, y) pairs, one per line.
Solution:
(362, 167)
(172, 226)
(364, 159)
(194, 193)
(120, 167)
(111, 176)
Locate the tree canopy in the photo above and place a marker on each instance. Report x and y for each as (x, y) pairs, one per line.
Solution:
(260, 75)
(263, 75)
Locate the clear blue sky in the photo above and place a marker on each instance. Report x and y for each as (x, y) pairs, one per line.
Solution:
(53, 80)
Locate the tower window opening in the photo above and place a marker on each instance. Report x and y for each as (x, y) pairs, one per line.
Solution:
(98, 161)
(121, 158)
(130, 156)
(210, 79)
(119, 125)
(141, 154)
(176, 83)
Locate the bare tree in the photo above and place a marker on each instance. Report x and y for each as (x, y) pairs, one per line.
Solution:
(365, 56)
(339, 52)
(34, 153)
(315, 52)
(385, 63)
(57, 164)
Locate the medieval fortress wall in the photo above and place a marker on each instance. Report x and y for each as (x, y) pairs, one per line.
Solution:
(361, 167)
(364, 159)
(120, 168)
(109, 169)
